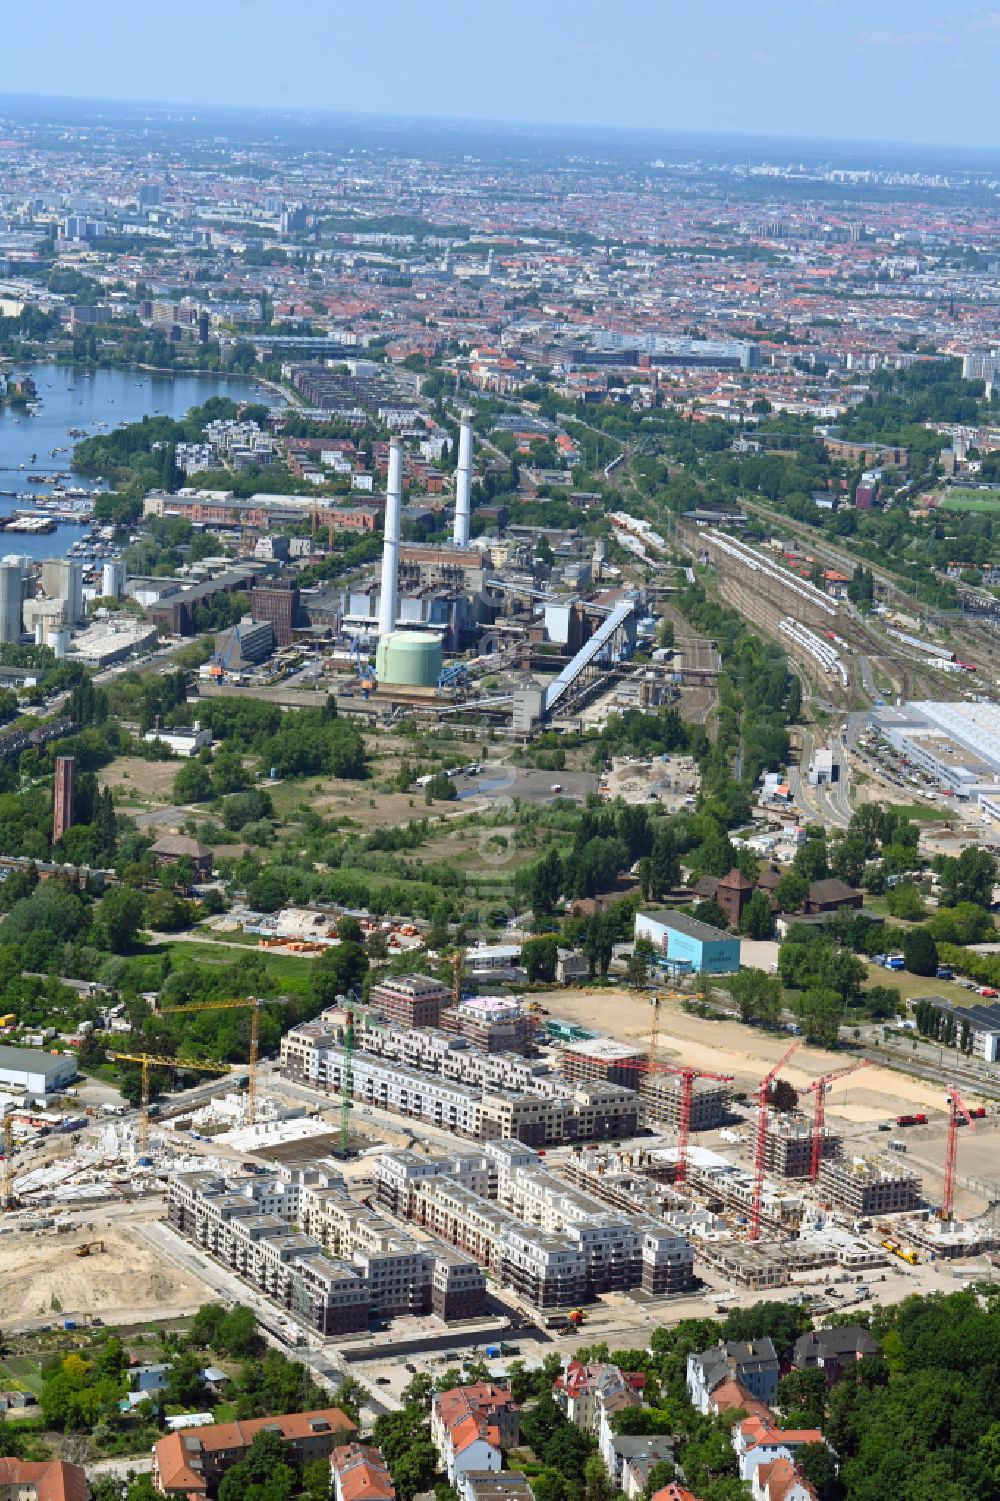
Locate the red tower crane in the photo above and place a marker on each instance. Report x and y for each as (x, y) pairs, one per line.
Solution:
(957, 1105)
(688, 1076)
(760, 1144)
(819, 1088)
(648, 1066)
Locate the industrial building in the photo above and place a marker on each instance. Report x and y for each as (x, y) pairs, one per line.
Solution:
(980, 1025)
(105, 642)
(245, 644)
(693, 946)
(10, 602)
(34, 1072)
(863, 1187)
(958, 744)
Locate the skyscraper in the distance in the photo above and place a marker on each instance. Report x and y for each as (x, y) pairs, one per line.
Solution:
(62, 806)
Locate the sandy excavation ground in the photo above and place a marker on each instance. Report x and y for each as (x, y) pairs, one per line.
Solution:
(727, 1047)
(126, 1279)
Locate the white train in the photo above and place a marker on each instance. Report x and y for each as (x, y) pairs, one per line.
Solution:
(820, 650)
(741, 553)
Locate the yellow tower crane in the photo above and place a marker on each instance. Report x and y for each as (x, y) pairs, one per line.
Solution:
(253, 1004)
(153, 1060)
(8, 1161)
(654, 1035)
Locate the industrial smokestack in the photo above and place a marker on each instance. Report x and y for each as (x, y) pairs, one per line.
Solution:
(463, 482)
(390, 552)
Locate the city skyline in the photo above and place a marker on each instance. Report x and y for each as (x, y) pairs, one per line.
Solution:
(825, 69)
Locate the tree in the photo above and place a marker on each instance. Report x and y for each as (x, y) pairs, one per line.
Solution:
(338, 971)
(545, 884)
(821, 1012)
(757, 995)
(263, 1474)
(120, 913)
(185, 1383)
(804, 1394)
(791, 891)
(783, 1096)
(920, 952)
(757, 922)
(969, 878)
(539, 956)
(193, 784)
(903, 901)
(820, 1468)
(664, 863)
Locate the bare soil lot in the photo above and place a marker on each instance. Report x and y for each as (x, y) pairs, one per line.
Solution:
(126, 1280)
(138, 781)
(747, 1053)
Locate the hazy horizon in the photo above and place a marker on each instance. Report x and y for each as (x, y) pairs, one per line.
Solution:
(827, 70)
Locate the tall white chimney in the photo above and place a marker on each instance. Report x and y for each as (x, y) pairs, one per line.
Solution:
(463, 482)
(390, 553)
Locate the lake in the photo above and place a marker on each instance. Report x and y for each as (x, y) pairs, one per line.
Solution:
(74, 397)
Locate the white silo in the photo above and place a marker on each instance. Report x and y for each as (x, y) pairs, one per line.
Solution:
(113, 579)
(10, 602)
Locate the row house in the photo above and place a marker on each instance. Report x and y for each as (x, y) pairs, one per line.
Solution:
(344, 1260)
(586, 1113)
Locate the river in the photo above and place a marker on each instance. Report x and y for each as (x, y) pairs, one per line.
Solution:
(74, 397)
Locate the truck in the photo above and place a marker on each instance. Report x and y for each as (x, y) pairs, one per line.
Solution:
(911, 1120)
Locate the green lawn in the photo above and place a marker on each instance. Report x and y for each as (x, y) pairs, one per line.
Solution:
(953, 502)
(288, 971)
(21, 1374)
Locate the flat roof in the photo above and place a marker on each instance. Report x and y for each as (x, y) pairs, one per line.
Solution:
(33, 1060)
(603, 1049)
(681, 922)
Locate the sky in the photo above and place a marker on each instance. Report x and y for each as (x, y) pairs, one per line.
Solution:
(920, 71)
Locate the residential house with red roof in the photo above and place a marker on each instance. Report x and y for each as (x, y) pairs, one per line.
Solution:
(471, 1426)
(192, 1461)
(359, 1473)
(51, 1480)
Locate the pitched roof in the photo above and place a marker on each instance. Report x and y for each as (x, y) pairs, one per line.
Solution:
(781, 1476)
(180, 844)
(732, 1396)
(736, 881)
(53, 1480)
(179, 1455)
(362, 1473)
(850, 1342)
(832, 890)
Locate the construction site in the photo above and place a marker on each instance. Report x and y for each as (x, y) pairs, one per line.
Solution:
(777, 1166)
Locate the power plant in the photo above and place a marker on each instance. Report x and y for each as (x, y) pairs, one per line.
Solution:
(389, 603)
(463, 482)
(460, 627)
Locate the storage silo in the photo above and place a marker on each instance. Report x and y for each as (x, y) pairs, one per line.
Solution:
(409, 659)
(10, 602)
